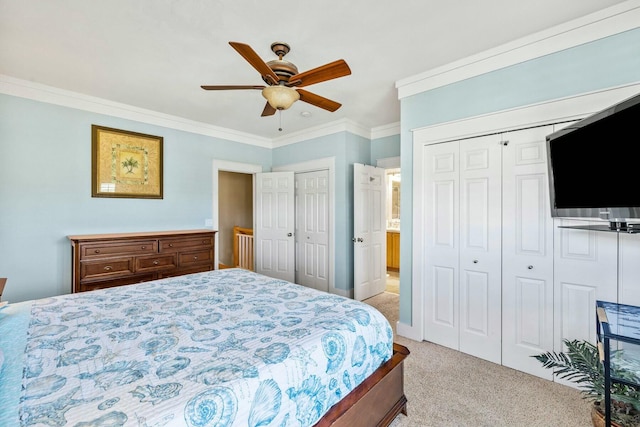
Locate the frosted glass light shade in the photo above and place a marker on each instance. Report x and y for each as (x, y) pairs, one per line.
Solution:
(280, 97)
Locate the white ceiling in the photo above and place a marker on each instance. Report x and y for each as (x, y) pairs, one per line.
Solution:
(155, 54)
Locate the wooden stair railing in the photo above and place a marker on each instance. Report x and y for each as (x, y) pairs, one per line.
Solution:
(243, 248)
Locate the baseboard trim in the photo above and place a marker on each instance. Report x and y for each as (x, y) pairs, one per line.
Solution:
(408, 331)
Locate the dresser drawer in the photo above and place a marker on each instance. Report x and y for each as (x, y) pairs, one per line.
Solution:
(101, 269)
(104, 249)
(174, 245)
(189, 258)
(127, 280)
(153, 263)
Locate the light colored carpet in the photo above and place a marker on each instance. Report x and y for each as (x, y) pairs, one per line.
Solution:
(393, 282)
(449, 388)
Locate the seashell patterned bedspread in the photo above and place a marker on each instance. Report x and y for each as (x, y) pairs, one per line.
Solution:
(222, 348)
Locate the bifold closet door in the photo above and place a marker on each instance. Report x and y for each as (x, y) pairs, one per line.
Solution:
(312, 229)
(527, 251)
(585, 270)
(480, 247)
(441, 235)
(462, 196)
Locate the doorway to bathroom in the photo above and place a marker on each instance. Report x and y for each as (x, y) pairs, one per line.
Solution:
(393, 181)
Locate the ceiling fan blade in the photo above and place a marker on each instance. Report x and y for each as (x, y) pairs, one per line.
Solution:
(333, 70)
(318, 100)
(268, 110)
(230, 87)
(256, 62)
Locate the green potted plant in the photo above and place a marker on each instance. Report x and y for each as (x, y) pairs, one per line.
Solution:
(581, 365)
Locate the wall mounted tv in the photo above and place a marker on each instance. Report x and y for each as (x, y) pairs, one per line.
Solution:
(594, 165)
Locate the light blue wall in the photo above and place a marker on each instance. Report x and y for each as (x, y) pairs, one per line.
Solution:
(45, 189)
(608, 62)
(381, 148)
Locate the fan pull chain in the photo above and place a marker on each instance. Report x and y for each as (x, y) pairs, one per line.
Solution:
(280, 115)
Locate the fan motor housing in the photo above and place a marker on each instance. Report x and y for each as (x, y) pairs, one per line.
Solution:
(283, 69)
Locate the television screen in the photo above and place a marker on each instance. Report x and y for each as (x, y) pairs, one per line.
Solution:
(594, 164)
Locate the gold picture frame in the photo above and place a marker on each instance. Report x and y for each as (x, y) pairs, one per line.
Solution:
(125, 164)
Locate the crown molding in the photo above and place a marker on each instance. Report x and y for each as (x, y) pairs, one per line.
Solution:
(43, 93)
(341, 125)
(386, 130)
(52, 95)
(613, 20)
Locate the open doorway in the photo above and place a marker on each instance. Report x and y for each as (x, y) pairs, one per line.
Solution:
(235, 211)
(218, 208)
(393, 182)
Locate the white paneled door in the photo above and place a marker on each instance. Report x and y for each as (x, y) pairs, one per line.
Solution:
(370, 232)
(480, 247)
(441, 201)
(527, 252)
(462, 269)
(312, 229)
(275, 225)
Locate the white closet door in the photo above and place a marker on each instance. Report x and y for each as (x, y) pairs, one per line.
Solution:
(480, 247)
(527, 252)
(585, 271)
(629, 269)
(312, 229)
(441, 235)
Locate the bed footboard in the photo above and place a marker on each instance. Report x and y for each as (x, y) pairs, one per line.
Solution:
(376, 401)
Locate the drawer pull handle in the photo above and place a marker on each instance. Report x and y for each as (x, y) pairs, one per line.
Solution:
(156, 262)
(97, 251)
(204, 242)
(195, 258)
(170, 245)
(143, 247)
(107, 268)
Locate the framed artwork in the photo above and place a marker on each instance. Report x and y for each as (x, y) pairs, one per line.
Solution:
(125, 164)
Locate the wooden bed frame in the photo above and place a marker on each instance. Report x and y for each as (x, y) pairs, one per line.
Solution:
(376, 401)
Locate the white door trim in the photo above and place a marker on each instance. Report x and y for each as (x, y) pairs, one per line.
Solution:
(556, 110)
(227, 166)
(325, 163)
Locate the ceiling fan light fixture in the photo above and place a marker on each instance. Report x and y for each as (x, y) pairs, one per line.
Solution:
(280, 97)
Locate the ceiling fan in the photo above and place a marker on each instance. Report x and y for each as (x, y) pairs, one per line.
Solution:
(284, 80)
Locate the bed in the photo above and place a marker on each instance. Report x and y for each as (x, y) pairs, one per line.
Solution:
(221, 348)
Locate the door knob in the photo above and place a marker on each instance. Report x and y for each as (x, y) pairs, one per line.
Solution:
(475, 261)
(360, 239)
(289, 234)
(530, 267)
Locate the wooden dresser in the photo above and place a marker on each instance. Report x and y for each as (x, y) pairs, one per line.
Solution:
(106, 260)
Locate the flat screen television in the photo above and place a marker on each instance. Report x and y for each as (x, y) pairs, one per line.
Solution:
(594, 165)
